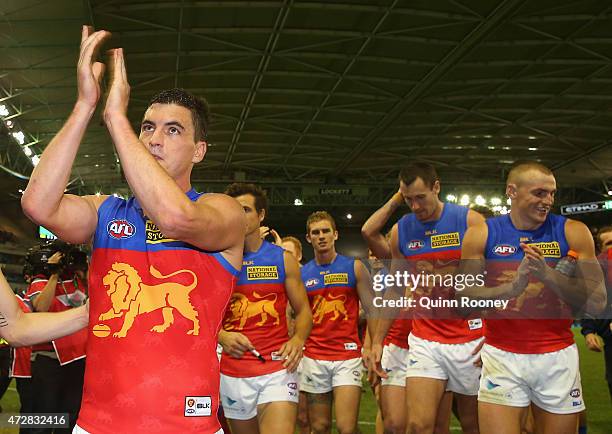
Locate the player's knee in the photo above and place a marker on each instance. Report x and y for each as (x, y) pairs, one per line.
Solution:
(346, 427)
(320, 426)
(420, 427)
(302, 420)
(394, 425)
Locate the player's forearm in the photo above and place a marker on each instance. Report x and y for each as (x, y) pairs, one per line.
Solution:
(372, 228)
(45, 190)
(34, 328)
(303, 324)
(587, 294)
(371, 326)
(381, 329)
(156, 191)
(42, 301)
(500, 292)
(9, 308)
(381, 216)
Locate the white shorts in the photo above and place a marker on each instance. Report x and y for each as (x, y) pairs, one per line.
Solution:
(451, 362)
(549, 380)
(394, 361)
(298, 371)
(321, 376)
(241, 396)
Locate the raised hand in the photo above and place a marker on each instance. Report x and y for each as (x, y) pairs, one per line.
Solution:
(119, 91)
(89, 71)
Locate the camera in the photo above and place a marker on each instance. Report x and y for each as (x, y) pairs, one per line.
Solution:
(37, 259)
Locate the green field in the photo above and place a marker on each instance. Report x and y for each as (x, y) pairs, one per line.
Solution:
(593, 382)
(595, 389)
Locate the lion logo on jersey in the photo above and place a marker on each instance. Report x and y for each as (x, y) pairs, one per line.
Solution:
(242, 309)
(131, 297)
(322, 306)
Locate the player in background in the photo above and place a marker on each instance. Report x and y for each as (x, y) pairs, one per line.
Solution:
(531, 360)
(259, 385)
(332, 365)
(294, 246)
(442, 346)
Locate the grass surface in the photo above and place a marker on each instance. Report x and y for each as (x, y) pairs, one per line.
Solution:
(593, 384)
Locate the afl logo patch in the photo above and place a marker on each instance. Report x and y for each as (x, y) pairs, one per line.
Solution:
(415, 245)
(311, 282)
(504, 250)
(120, 229)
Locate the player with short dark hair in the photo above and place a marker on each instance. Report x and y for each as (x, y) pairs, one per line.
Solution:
(164, 262)
(259, 385)
(332, 364)
(442, 346)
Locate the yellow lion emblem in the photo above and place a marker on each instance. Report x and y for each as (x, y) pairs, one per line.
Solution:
(322, 306)
(131, 297)
(242, 309)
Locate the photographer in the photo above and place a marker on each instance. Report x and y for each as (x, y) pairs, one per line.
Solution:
(58, 366)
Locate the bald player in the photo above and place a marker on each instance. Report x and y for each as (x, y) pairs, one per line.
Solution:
(532, 360)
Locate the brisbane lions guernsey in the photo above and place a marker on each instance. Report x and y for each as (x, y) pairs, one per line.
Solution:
(504, 254)
(258, 310)
(434, 248)
(156, 306)
(332, 293)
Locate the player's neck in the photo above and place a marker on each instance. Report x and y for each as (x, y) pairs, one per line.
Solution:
(253, 241)
(523, 224)
(326, 257)
(437, 215)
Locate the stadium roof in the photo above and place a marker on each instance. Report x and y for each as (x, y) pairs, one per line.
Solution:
(332, 92)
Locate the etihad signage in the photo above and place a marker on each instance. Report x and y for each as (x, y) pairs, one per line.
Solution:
(582, 208)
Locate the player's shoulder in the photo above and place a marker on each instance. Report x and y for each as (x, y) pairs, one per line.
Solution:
(309, 266)
(220, 200)
(274, 247)
(574, 225)
(474, 218)
(578, 235)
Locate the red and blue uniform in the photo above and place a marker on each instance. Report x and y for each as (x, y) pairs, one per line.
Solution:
(332, 293)
(514, 333)
(156, 307)
(258, 310)
(435, 248)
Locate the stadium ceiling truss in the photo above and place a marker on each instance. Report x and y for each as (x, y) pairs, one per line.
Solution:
(341, 92)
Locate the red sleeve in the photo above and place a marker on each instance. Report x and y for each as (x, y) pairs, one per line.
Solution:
(35, 287)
